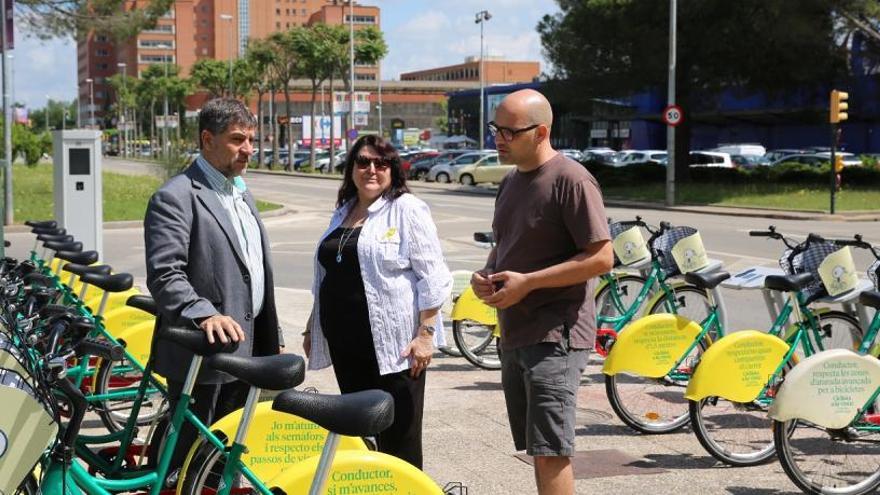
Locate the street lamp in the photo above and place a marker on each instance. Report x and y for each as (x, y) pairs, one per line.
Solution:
(480, 18)
(48, 100)
(227, 17)
(124, 141)
(91, 101)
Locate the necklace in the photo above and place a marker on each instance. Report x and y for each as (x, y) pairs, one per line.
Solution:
(346, 235)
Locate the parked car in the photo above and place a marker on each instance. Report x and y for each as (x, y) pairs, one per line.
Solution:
(283, 156)
(635, 157)
(604, 156)
(575, 155)
(710, 159)
(445, 171)
(322, 163)
(746, 161)
(420, 167)
(747, 149)
(774, 155)
(817, 159)
(487, 169)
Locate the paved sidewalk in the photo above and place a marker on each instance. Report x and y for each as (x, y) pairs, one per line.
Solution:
(466, 436)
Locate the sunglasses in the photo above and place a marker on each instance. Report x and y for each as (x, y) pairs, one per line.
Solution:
(506, 132)
(364, 162)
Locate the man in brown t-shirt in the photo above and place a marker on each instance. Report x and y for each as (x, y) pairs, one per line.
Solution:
(552, 241)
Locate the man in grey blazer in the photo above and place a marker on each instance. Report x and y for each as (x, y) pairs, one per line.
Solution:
(208, 264)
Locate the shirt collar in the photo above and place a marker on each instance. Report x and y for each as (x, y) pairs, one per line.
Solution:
(373, 208)
(217, 180)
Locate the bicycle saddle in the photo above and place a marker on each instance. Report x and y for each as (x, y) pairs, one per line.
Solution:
(143, 303)
(48, 231)
(78, 257)
(706, 281)
(788, 283)
(278, 372)
(81, 270)
(195, 341)
(118, 282)
(64, 246)
(484, 237)
(870, 298)
(55, 238)
(358, 414)
(48, 224)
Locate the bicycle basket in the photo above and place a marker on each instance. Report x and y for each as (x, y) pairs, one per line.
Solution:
(628, 243)
(808, 261)
(874, 274)
(663, 244)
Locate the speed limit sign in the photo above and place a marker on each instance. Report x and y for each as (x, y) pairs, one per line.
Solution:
(672, 115)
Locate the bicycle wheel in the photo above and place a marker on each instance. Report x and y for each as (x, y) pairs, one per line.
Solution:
(205, 471)
(735, 433)
(837, 330)
(615, 298)
(450, 349)
(652, 405)
(477, 343)
(820, 461)
(689, 302)
(115, 413)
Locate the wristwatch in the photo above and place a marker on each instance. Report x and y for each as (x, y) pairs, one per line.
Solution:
(427, 328)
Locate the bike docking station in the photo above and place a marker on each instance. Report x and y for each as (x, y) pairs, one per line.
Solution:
(78, 185)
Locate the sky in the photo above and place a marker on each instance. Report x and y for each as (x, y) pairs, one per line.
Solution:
(421, 34)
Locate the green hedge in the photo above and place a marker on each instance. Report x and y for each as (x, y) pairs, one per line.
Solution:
(786, 173)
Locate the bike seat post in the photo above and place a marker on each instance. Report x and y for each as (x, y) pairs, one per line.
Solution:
(231, 469)
(82, 292)
(103, 304)
(178, 417)
(322, 472)
(71, 280)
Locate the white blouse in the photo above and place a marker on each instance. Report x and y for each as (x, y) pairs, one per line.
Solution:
(404, 272)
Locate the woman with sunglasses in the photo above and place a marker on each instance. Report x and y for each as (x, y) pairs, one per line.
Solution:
(380, 279)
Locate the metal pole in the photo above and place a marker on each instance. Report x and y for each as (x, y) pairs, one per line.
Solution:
(381, 134)
(228, 17)
(351, 67)
(165, 148)
(91, 102)
(670, 98)
(482, 89)
(7, 132)
(833, 161)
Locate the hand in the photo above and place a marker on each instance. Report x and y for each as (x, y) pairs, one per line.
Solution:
(481, 284)
(516, 287)
(223, 327)
(307, 345)
(420, 351)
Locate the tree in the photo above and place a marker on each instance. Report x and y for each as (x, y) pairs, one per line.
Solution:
(313, 47)
(260, 56)
(51, 18)
(285, 68)
(212, 76)
(608, 48)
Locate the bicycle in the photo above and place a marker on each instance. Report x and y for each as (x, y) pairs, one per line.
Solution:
(826, 426)
(729, 393)
(652, 357)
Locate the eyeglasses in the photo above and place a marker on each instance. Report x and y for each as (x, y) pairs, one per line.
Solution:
(364, 162)
(506, 132)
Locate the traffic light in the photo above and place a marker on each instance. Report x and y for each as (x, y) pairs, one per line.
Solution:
(839, 106)
(838, 163)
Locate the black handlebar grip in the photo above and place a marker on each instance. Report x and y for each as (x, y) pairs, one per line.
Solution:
(101, 349)
(760, 233)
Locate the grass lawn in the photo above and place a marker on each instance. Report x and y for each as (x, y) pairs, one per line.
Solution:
(775, 196)
(125, 196)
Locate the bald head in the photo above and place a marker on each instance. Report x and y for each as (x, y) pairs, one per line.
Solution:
(528, 107)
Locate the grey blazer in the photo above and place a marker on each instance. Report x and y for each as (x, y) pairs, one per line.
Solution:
(195, 269)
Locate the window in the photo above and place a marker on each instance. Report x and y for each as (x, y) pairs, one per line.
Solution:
(102, 66)
(162, 44)
(302, 11)
(287, 11)
(361, 19)
(278, 11)
(102, 38)
(288, 25)
(102, 53)
(161, 28)
(277, 25)
(155, 59)
(99, 95)
(364, 77)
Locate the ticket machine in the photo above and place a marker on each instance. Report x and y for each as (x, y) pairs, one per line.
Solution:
(78, 187)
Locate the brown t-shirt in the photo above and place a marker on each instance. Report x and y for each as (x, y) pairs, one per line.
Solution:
(542, 218)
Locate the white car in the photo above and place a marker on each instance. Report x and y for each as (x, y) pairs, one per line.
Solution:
(487, 169)
(444, 172)
(322, 163)
(711, 159)
(636, 157)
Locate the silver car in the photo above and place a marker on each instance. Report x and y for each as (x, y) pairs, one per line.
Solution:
(445, 171)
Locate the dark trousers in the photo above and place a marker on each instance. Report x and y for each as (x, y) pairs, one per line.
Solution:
(403, 439)
(209, 403)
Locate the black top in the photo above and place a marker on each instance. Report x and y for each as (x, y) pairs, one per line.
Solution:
(345, 320)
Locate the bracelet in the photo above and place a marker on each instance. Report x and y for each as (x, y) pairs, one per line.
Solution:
(426, 328)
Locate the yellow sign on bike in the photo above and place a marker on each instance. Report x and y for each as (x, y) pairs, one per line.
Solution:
(26, 429)
(689, 254)
(630, 246)
(470, 307)
(827, 389)
(838, 272)
(737, 367)
(651, 346)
